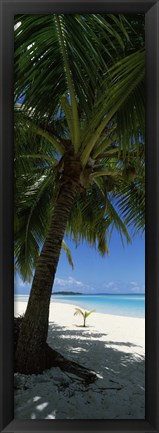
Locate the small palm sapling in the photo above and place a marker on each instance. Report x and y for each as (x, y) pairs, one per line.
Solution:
(85, 314)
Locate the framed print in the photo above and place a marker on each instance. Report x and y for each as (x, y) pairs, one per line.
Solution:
(79, 153)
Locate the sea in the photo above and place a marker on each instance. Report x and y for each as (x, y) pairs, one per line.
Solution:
(119, 305)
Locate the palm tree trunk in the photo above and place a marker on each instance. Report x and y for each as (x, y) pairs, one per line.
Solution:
(33, 334)
(32, 353)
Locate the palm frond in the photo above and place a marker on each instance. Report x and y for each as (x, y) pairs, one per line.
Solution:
(87, 313)
(93, 42)
(78, 311)
(73, 100)
(68, 253)
(123, 78)
(81, 78)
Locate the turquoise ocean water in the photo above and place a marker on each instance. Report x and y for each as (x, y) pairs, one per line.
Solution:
(119, 305)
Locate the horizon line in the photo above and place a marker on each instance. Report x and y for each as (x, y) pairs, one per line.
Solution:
(91, 294)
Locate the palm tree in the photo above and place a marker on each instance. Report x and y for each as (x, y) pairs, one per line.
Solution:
(84, 314)
(79, 153)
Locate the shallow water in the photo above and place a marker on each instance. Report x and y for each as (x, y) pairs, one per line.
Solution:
(120, 305)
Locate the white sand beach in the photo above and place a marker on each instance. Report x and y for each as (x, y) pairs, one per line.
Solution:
(112, 346)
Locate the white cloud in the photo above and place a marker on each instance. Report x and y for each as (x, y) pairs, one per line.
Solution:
(76, 282)
(115, 290)
(67, 283)
(72, 284)
(137, 290)
(75, 285)
(118, 287)
(108, 285)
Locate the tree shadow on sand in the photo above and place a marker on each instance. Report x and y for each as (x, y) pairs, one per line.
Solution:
(58, 395)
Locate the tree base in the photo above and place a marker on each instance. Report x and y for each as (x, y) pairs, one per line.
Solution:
(47, 358)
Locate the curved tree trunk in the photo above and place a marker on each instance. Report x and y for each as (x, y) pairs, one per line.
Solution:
(33, 355)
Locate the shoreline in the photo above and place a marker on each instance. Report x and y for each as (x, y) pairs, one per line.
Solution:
(112, 346)
(119, 327)
(85, 302)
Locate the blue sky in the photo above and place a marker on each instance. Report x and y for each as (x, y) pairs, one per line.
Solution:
(123, 271)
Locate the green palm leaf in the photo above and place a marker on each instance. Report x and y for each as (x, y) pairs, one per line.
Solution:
(92, 41)
(125, 77)
(85, 314)
(80, 92)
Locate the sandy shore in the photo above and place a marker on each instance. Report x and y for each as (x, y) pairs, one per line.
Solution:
(112, 346)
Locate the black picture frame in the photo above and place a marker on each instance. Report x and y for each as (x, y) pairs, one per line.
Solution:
(151, 10)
